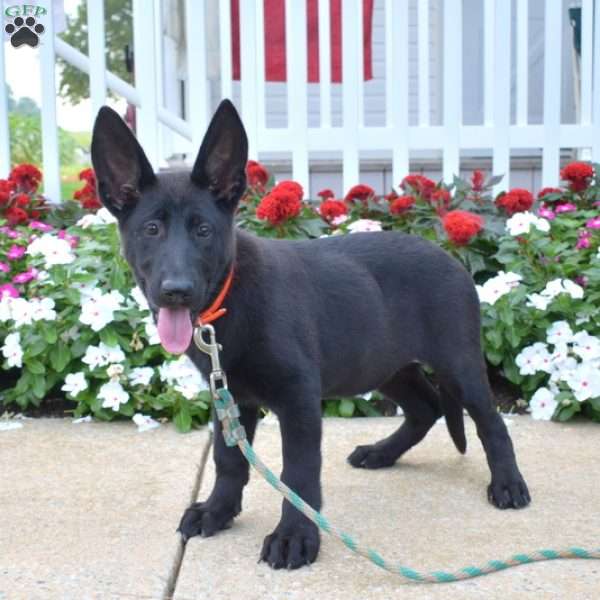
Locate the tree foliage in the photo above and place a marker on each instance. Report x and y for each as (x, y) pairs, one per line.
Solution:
(74, 84)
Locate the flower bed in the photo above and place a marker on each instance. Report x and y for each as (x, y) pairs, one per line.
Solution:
(72, 321)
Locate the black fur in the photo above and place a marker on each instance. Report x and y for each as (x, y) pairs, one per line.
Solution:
(306, 320)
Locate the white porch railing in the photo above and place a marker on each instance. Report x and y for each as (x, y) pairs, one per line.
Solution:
(497, 135)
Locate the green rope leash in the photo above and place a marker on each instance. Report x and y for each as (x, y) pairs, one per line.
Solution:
(234, 434)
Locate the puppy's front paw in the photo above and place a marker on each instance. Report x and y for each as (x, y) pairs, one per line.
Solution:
(206, 518)
(508, 491)
(291, 546)
(371, 457)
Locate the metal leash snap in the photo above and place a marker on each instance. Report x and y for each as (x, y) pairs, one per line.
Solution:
(212, 348)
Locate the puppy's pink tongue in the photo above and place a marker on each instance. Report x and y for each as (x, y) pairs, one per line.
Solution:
(175, 329)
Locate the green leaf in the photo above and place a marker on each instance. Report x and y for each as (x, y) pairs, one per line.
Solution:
(36, 347)
(39, 386)
(183, 419)
(346, 407)
(35, 366)
(60, 357)
(109, 337)
(50, 334)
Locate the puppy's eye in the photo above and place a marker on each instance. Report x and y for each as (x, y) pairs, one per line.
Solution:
(203, 230)
(151, 229)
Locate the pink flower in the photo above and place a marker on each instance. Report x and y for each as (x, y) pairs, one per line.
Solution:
(594, 223)
(41, 226)
(72, 239)
(4, 267)
(8, 290)
(546, 213)
(565, 207)
(26, 276)
(583, 240)
(582, 280)
(15, 252)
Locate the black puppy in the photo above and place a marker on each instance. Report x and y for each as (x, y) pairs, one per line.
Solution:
(306, 320)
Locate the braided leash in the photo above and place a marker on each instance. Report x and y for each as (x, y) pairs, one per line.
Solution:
(235, 435)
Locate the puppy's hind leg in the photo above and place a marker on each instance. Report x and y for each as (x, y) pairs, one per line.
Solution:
(419, 400)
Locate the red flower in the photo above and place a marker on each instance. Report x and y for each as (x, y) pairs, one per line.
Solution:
(477, 180)
(359, 192)
(289, 186)
(578, 174)
(257, 175)
(462, 226)
(26, 177)
(421, 185)
(87, 194)
(547, 191)
(401, 204)
(15, 215)
(88, 175)
(517, 200)
(441, 199)
(330, 209)
(6, 188)
(22, 200)
(279, 206)
(326, 194)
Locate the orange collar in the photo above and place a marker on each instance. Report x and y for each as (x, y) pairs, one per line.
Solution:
(214, 311)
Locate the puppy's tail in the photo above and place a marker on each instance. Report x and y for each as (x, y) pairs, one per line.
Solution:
(455, 423)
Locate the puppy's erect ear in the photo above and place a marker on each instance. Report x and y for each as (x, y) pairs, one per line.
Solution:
(221, 162)
(121, 167)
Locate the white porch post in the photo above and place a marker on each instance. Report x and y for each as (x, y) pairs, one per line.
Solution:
(95, 12)
(50, 149)
(144, 40)
(4, 129)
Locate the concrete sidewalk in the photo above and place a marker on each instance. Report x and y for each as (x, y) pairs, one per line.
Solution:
(89, 511)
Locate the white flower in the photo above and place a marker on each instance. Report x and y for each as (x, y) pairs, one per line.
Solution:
(54, 250)
(106, 216)
(339, 220)
(98, 309)
(86, 288)
(151, 330)
(538, 301)
(522, 222)
(12, 350)
(43, 309)
(543, 404)
(553, 288)
(113, 395)
(102, 355)
(89, 220)
(139, 297)
(563, 369)
(559, 332)
(533, 359)
(364, 225)
(183, 375)
(114, 371)
(21, 312)
(573, 289)
(141, 375)
(102, 217)
(144, 422)
(5, 308)
(498, 286)
(584, 381)
(586, 346)
(74, 383)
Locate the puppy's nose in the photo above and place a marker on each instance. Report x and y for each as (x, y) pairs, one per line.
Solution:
(176, 291)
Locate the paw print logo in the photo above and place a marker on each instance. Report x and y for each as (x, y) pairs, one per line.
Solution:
(24, 31)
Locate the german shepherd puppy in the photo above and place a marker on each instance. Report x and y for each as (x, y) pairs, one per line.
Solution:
(306, 320)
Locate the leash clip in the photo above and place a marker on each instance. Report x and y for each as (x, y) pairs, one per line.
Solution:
(217, 379)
